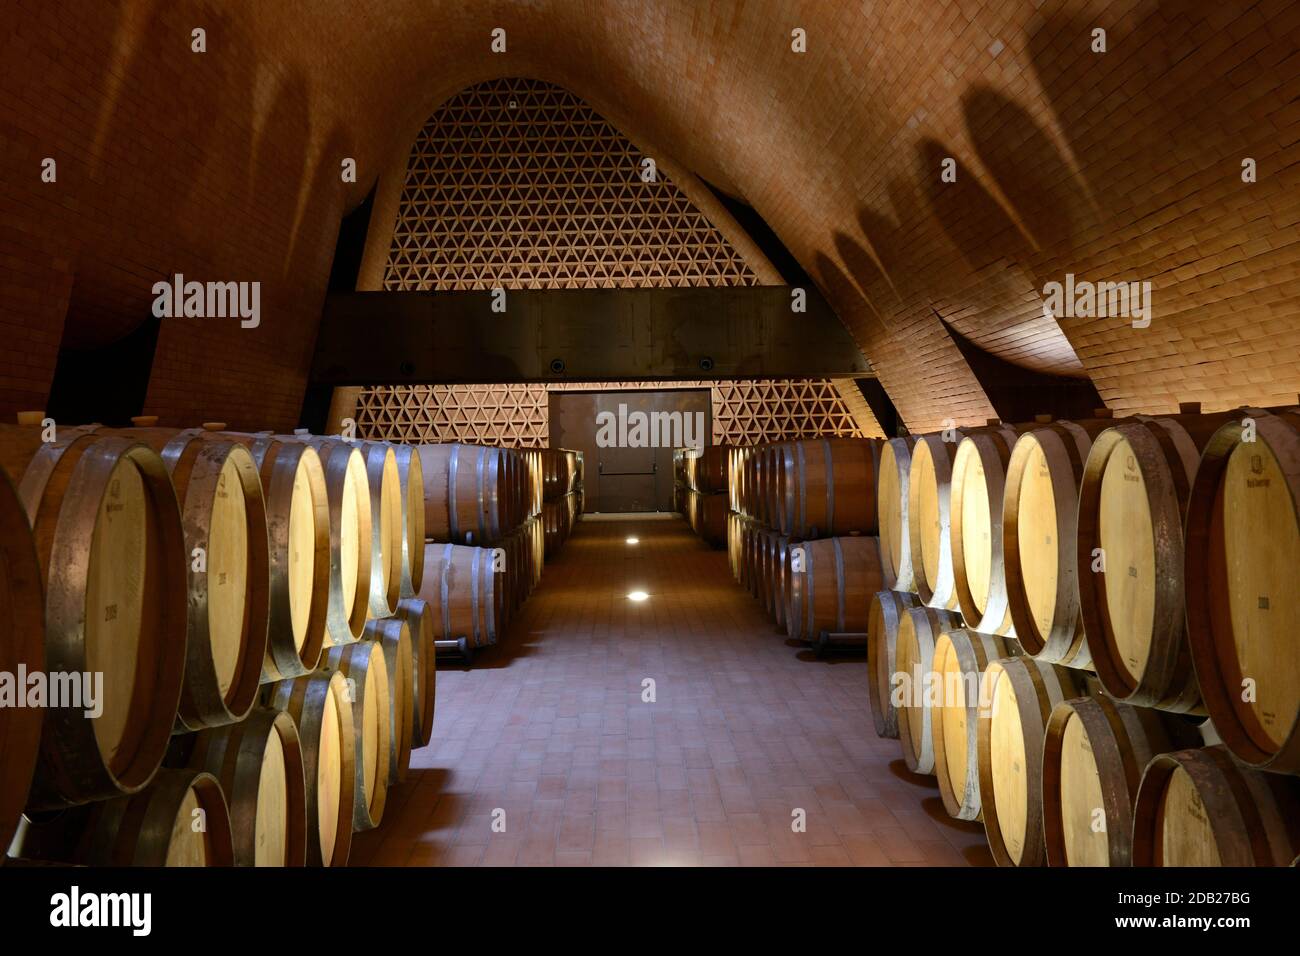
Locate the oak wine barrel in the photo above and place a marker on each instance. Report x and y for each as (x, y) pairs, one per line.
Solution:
(462, 586)
(978, 489)
(831, 583)
(412, 482)
(1200, 808)
(891, 510)
(394, 638)
(707, 514)
(424, 661)
(883, 619)
(825, 487)
(929, 518)
(1243, 603)
(108, 537)
(386, 527)
(322, 711)
(362, 666)
(912, 682)
(707, 469)
(465, 490)
(259, 764)
(1021, 694)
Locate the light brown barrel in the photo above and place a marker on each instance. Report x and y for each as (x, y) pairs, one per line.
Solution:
(1093, 758)
(1021, 694)
(825, 487)
(412, 482)
(978, 488)
(394, 637)
(420, 620)
(259, 764)
(320, 707)
(1243, 598)
(912, 682)
(883, 620)
(929, 518)
(463, 589)
(1132, 499)
(833, 590)
(961, 658)
(891, 510)
(362, 666)
(1038, 540)
(1200, 808)
(464, 493)
(22, 649)
(386, 527)
(737, 456)
(107, 530)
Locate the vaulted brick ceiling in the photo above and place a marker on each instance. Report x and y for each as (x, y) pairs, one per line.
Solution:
(1123, 165)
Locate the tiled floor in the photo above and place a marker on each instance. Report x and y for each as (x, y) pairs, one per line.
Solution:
(549, 735)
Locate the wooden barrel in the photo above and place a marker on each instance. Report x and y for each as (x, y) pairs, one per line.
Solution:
(461, 585)
(464, 491)
(412, 484)
(362, 666)
(386, 526)
(883, 619)
(826, 486)
(108, 537)
(1021, 694)
(709, 516)
(419, 619)
(708, 471)
(961, 658)
(1093, 758)
(320, 707)
(394, 638)
(347, 486)
(1132, 499)
(891, 511)
(1039, 529)
(737, 458)
(259, 764)
(929, 518)
(978, 488)
(22, 650)
(1200, 808)
(918, 631)
(1243, 549)
(833, 590)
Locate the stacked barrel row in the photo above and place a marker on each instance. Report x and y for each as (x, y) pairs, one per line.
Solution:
(1085, 634)
(556, 492)
(801, 535)
(700, 481)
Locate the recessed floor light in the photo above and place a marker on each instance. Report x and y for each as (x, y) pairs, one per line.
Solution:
(637, 596)
(633, 540)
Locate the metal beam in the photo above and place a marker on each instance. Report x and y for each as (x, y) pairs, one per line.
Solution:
(579, 335)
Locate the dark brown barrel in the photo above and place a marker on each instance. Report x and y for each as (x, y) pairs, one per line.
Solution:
(1132, 500)
(1243, 602)
(961, 657)
(1093, 758)
(707, 470)
(825, 487)
(394, 638)
(1200, 808)
(978, 489)
(1020, 694)
(22, 651)
(465, 487)
(891, 510)
(462, 587)
(412, 480)
(362, 666)
(320, 707)
(918, 631)
(420, 620)
(260, 767)
(386, 526)
(831, 583)
(883, 619)
(929, 518)
(708, 516)
(107, 530)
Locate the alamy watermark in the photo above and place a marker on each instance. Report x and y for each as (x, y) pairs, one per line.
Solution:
(1082, 299)
(208, 300)
(639, 429)
(76, 691)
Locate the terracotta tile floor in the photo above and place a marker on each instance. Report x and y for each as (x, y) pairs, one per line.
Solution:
(550, 728)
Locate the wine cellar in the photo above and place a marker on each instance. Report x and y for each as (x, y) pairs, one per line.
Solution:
(746, 433)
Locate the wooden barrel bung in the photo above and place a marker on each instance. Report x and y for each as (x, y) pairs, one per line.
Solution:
(1093, 757)
(22, 649)
(891, 507)
(394, 638)
(108, 536)
(1200, 808)
(362, 665)
(1021, 694)
(1243, 548)
(929, 516)
(833, 590)
(912, 682)
(259, 764)
(320, 706)
(978, 489)
(385, 485)
(1130, 558)
(420, 619)
(412, 484)
(961, 658)
(884, 618)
